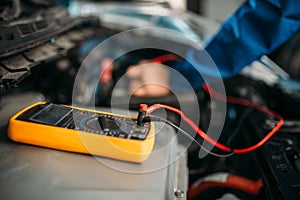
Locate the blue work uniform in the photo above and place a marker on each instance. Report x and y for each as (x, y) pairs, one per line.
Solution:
(257, 28)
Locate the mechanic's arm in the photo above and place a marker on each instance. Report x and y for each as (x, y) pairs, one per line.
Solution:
(257, 28)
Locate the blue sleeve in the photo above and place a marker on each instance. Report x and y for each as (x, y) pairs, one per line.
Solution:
(257, 28)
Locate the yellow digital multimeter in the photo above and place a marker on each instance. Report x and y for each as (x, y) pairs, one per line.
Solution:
(84, 131)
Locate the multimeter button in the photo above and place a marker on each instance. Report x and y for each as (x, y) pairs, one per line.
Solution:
(123, 135)
(136, 136)
(71, 126)
(135, 131)
(139, 130)
(108, 133)
(141, 136)
(144, 131)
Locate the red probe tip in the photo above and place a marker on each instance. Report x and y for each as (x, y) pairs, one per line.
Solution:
(143, 106)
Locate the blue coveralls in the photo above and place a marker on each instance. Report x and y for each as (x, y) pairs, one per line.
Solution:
(257, 28)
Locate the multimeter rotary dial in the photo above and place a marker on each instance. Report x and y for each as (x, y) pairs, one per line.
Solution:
(111, 126)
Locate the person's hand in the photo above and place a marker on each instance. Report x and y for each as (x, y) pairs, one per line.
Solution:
(148, 79)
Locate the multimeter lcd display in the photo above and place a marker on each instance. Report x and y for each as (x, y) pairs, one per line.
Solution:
(52, 114)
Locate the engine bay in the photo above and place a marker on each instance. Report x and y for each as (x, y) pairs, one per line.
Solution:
(49, 65)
